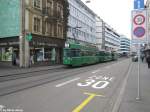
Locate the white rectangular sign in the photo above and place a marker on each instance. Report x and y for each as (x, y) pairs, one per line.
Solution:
(139, 26)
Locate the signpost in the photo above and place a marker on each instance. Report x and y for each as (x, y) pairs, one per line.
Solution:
(139, 26)
(139, 31)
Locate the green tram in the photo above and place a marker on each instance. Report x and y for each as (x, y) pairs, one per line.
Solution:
(114, 56)
(78, 55)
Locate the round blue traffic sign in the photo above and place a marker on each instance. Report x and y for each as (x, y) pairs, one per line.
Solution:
(139, 32)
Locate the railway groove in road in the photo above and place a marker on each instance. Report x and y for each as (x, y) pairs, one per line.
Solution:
(70, 97)
(32, 74)
(46, 78)
(27, 74)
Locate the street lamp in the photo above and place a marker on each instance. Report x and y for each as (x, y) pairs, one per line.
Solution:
(87, 1)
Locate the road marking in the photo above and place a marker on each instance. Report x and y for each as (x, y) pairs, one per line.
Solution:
(86, 101)
(121, 93)
(107, 67)
(96, 71)
(67, 82)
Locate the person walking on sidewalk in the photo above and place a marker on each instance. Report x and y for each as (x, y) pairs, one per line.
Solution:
(142, 57)
(148, 60)
(14, 59)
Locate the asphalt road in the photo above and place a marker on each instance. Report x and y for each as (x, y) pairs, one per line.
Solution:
(87, 89)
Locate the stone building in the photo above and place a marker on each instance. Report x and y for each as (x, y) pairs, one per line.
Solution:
(40, 30)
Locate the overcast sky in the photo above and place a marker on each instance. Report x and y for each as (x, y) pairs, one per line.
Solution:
(116, 13)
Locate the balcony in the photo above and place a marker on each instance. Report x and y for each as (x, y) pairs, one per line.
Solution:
(51, 14)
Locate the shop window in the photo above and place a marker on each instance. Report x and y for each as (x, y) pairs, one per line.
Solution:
(6, 55)
(47, 54)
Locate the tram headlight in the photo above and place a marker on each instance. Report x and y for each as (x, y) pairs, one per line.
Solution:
(66, 45)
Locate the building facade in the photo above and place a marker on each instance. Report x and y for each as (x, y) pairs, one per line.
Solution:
(99, 33)
(43, 27)
(111, 41)
(82, 23)
(125, 45)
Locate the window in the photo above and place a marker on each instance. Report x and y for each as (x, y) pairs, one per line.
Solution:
(37, 25)
(60, 10)
(50, 7)
(72, 52)
(49, 29)
(59, 30)
(37, 4)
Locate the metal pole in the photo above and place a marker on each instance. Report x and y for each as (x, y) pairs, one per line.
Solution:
(138, 92)
(21, 38)
(147, 26)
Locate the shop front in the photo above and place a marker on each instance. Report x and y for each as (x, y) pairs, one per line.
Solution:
(43, 51)
(46, 51)
(9, 47)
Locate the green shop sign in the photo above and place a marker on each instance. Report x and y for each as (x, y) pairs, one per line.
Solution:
(9, 18)
(29, 37)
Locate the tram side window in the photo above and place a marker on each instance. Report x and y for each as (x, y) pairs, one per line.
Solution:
(75, 52)
(71, 52)
(88, 53)
(101, 53)
(83, 53)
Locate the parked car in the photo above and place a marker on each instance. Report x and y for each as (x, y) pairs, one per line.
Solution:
(135, 58)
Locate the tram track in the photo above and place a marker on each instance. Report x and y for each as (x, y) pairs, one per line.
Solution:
(40, 79)
(16, 76)
(28, 74)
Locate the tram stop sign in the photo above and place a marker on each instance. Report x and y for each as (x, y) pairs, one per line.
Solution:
(29, 37)
(139, 26)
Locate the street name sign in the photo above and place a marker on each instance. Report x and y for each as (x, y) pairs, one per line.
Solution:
(139, 26)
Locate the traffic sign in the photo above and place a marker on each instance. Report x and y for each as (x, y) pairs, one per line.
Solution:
(139, 26)
(138, 4)
(139, 19)
(139, 32)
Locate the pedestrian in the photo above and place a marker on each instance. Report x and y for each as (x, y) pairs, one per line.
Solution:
(148, 60)
(31, 60)
(142, 57)
(13, 58)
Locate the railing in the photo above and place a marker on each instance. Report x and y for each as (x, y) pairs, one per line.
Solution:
(51, 14)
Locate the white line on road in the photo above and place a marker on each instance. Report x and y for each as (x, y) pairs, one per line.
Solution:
(96, 71)
(107, 67)
(67, 82)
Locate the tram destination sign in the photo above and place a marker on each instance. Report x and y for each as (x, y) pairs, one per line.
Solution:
(139, 26)
(9, 18)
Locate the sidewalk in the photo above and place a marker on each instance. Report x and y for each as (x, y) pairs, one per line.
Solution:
(16, 70)
(129, 102)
